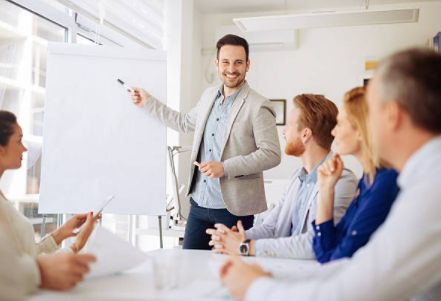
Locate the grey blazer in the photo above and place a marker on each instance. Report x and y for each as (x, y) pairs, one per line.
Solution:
(250, 144)
(273, 237)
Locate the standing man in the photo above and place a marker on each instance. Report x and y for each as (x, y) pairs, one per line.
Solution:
(402, 260)
(235, 140)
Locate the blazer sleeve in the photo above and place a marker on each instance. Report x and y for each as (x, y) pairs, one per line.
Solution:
(268, 227)
(344, 193)
(300, 246)
(181, 122)
(268, 154)
(293, 247)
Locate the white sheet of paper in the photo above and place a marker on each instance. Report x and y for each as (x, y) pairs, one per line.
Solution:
(113, 254)
(99, 209)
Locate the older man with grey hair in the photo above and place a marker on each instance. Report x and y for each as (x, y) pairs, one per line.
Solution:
(402, 260)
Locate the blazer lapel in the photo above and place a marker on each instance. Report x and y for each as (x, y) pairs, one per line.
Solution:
(314, 192)
(203, 114)
(237, 105)
(311, 198)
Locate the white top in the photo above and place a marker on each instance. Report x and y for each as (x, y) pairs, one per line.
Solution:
(22, 232)
(402, 259)
(11, 277)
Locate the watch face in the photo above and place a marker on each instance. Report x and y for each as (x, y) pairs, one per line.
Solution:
(243, 249)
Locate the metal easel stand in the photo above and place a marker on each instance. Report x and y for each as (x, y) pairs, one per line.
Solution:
(172, 151)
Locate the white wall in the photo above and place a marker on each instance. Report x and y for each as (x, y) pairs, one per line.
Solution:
(328, 61)
(183, 54)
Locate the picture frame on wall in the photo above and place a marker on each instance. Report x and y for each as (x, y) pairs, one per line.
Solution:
(280, 107)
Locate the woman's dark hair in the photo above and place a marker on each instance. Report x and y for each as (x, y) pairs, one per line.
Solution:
(7, 122)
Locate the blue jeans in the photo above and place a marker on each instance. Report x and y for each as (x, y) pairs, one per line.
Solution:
(200, 219)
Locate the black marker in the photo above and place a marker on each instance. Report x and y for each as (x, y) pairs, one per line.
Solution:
(125, 86)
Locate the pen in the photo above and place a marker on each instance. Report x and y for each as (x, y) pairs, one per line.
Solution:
(197, 163)
(125, 86)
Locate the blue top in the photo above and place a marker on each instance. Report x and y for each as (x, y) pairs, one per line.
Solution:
(207, 192)
(365, 214)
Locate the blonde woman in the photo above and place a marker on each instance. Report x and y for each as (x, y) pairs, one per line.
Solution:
(376, 191)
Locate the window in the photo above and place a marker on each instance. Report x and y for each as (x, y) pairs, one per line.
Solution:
(26, 27)
(23, 43)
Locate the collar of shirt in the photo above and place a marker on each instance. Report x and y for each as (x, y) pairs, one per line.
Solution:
(418, 165)
(312, 176)
(233, 96)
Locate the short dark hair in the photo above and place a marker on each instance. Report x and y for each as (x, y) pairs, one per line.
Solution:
(7, 123)
(231, 39)
(412, 78)
(318, 114)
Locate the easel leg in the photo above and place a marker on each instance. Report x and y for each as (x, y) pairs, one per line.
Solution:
(160, 232)
(43, 226)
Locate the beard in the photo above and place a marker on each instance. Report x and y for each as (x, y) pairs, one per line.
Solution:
(238, 82)
(295, 148)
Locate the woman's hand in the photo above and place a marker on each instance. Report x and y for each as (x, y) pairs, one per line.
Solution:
(67, 229)
(328, 175)
(75, 222)
(84, 233)
(329, 172)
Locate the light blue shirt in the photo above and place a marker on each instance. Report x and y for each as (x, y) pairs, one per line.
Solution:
(207, 192)
(307, 185)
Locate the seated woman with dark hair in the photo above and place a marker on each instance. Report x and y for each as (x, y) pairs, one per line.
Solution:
(376, 190)
(21, 229)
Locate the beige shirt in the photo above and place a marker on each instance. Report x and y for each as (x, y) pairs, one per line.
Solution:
(24, 231)
(21, 235)
(18, 272)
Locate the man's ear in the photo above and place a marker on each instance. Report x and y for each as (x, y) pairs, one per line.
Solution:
(216, 63)
(306, 135)
(248, 65)
(394, 115)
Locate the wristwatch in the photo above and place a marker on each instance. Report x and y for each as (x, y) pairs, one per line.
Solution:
(244, 248)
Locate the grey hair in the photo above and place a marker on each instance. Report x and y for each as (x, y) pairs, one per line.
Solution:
(412, 78)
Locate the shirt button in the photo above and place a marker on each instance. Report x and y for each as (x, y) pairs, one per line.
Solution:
(319, 234)
(217, 119)
(317, 227)
(205, 181)
(212, 134)
(354, 232)
(210, 150)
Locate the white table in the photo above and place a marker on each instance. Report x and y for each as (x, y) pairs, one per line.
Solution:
(197, 273)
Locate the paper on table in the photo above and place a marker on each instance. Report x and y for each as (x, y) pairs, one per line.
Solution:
(113, 254)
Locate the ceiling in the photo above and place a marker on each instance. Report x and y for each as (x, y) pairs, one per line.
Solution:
(241, 6)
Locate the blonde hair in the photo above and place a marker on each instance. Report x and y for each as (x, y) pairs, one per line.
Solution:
(356, 108)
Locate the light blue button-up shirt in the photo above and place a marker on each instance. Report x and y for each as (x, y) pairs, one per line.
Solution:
(307, 184)
(207, 192)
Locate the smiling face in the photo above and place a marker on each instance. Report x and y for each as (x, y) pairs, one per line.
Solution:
(232, 67)
(11, 155)
(347, 138)
(292, 134)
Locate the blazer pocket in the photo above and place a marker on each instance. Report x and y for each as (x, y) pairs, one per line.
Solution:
(248, 177)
